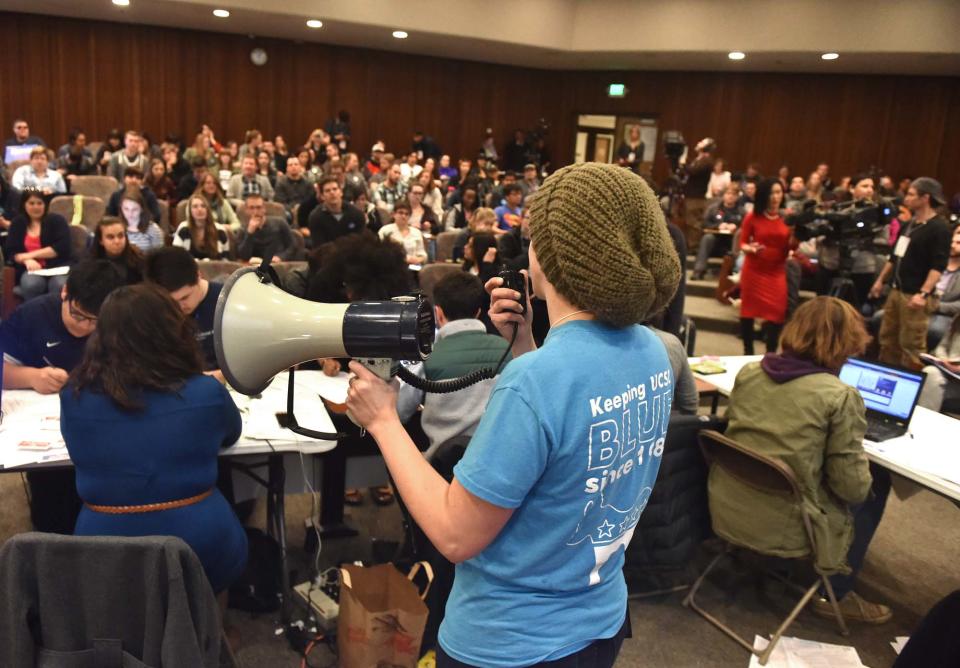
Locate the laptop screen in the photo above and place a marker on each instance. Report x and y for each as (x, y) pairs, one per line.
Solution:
(14, 153)
(884, 389)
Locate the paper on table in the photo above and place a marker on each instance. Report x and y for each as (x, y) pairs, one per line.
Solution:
(53, 271)
(797, 653)
(331, 388)
(899, 643)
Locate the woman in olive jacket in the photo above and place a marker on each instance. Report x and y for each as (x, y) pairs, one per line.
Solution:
(792, 406)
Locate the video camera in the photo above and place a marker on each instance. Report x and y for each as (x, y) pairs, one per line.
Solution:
(847, 223)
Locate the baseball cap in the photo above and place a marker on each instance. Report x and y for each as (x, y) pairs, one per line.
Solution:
(928, 186)
(378, 147)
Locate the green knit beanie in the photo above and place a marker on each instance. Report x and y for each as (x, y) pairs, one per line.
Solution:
(601, 240)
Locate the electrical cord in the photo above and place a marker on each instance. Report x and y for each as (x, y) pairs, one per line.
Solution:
(456, 384)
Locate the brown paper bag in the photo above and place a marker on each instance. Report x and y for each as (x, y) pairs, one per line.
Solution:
(382, 616)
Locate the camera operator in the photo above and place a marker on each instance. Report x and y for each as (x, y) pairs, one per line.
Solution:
(864, 267)
(919, 258)
(538, 542)
(698, 176)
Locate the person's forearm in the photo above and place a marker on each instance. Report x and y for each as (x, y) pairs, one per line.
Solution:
(17, 377)
(45, 253)
(423, 490)
(885, 272)
(933, 277)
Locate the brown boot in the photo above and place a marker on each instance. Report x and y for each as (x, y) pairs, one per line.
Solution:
(854, 609)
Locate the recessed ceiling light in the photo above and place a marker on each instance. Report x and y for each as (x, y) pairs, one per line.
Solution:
(314, 23)
(830, 56)
(121, 3)
(736, 55)
(400, 34)
(221, 13)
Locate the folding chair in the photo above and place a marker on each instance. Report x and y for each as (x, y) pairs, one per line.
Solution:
(775, 477)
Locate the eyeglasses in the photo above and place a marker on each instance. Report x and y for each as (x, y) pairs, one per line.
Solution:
(78, 315)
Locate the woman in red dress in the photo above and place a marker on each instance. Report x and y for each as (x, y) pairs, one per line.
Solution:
(766, 240)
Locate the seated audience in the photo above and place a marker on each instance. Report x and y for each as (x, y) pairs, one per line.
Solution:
(112, 143)
(719, 180)
(515, 244)
(249, 182)
(37, 240)
(199, 235)
(74, 157)
(399, 231)
(446, 170)
(373, 163)
(369, 211)
(130, 156)
(459, 215)
(37, 174)
(133, 178)
(265, 166)
(333, 218)
(354, 183)
(389, 192)
(189, 183)
(252, 141)
(145, 435)
(410, 169)
(480, 256)
(941, 391)
(22, 137)
(264, 237)
(176, 271)
(42, 342)
(159, 183)
(948, 290)
(725, 216)
(177, 167)
(432, 198)
(141, 231)
(508, 214)
(529, 183)
(793, 406)
(225, 169)
(421, 217)
(484, 220)
(9, 205)
(280, 154)
(201, 148)
(292, 187)
(462, 346)
(110, 243)
(220, 207)
(796, 195)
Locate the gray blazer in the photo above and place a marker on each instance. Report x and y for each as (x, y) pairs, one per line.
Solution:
(950, 299)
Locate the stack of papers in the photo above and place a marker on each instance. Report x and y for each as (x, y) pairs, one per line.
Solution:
(797, 653)
(30, 432)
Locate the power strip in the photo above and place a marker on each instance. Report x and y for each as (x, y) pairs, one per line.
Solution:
(324, 602)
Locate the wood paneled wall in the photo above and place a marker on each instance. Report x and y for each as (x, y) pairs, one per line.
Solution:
(60, 72)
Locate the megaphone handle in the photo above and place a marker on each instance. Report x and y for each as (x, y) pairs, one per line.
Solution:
(382, 367)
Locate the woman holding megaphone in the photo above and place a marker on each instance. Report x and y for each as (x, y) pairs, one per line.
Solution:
(544, 502)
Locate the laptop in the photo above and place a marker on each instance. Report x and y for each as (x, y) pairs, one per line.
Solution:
(889, 393)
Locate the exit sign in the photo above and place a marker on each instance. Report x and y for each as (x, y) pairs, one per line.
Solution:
(616, 90)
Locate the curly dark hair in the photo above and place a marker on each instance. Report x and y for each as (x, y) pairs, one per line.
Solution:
(142, 342)
(357, 266)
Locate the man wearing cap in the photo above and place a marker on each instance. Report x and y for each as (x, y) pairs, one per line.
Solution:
(919, 257)
(546, 499)
(373, 163)
(530, 182)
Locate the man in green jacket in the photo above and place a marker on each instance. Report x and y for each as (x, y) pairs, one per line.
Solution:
(462, 346)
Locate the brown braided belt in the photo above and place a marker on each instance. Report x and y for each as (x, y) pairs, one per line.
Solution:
(150, 507)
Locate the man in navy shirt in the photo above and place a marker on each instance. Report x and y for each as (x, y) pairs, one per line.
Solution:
(44, 338)
(175, 270)
(42, 342)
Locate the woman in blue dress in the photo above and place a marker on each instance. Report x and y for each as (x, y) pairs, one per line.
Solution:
(144, 427)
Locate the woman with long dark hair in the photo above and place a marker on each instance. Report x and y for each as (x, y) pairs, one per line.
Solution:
(110, 243)
(203, 238)
(223, 212)
(766, 241)
(37, 240)
(141, 231)
(144, 426)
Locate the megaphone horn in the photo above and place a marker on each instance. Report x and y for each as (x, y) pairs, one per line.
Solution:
(260, 330)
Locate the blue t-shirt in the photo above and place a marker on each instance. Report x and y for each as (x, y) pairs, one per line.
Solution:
(34, 335)
(571, 439)
(502, 211)
(203, 316)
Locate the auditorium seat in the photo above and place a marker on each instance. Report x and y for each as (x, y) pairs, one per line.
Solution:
(445, 243)
(164, 222)
(80, 238)
(95, 186)
(93, 209)
(218, 270)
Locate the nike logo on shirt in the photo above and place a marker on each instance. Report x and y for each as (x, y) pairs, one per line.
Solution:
(52, 344)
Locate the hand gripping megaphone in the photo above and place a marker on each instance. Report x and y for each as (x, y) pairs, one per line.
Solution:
(260, 330)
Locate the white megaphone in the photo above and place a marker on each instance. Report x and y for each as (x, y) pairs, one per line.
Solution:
(260, 330)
